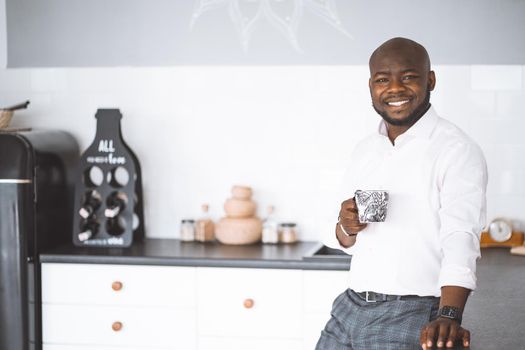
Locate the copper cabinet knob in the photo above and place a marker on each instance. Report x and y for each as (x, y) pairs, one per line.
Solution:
(116, 326)
(248, 303)
(116, 286)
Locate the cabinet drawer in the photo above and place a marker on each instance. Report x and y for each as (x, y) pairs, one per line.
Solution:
(140, 326)
(217, 343)
(225, 295)
(118, 284)
(101, 347)
(321, 288)
(314, 323)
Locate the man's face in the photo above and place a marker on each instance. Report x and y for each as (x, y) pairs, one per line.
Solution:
(400, 86)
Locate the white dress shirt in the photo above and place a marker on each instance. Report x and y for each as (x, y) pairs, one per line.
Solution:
(436, 177)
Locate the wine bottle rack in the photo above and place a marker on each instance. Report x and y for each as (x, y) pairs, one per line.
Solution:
(108, 208)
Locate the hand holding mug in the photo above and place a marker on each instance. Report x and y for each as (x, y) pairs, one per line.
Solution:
(349, 218)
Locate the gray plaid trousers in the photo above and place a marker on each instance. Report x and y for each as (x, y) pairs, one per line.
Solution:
(389, 325)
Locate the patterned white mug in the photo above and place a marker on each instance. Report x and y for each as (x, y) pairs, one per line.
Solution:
(371, 205)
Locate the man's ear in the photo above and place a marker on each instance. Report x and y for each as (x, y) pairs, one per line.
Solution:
(431, 80)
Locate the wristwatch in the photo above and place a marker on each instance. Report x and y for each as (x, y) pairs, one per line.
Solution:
(450, 312)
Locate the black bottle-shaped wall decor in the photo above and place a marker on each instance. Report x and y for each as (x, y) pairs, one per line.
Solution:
(108, 194)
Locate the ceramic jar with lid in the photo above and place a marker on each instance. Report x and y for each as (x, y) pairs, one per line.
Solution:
(287, 232)
(241, 225)
(187, 230)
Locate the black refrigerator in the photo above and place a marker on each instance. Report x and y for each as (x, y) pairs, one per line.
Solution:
(36, 196)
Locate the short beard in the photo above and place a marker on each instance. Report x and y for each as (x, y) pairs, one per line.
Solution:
(412, 118)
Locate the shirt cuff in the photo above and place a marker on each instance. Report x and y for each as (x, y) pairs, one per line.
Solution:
(455, 275)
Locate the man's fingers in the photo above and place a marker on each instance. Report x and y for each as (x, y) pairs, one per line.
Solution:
(349, 205)
(423, 338)
(350, 221)
(348, 213)
(442, 335)
(431, 335)
(452, 335)
(347, 222)
(464, 335)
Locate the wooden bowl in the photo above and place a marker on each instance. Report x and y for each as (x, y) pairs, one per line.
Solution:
(5, 118)
(242, 192)
(238, 231)
(239, 208)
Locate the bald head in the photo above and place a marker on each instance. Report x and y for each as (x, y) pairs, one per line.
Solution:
(401, 48)
(400, 83)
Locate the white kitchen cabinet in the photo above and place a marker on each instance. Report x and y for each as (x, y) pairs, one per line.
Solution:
(215, 343)
(119, 326)
(101, 284)
(187, 308)
(320, 290)
(247, 305)
(90, 347)
(117, 305)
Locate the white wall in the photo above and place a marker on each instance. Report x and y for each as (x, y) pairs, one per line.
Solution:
(285, 131)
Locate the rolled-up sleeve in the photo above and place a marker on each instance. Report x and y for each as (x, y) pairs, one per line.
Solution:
(462, 214)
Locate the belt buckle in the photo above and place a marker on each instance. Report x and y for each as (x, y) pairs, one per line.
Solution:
(368, 299)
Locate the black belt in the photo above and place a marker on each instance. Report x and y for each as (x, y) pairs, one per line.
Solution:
(373, 297)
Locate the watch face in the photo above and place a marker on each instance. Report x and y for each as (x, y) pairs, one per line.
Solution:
(450, 312)
(500, 230)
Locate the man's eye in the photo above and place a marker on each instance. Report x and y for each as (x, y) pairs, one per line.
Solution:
(409, 77)
(381, 80)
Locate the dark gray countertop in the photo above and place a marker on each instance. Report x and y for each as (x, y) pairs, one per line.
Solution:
(178, 253)
(495, 313)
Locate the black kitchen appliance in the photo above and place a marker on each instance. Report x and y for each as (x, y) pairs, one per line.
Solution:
(108, 196)
(36, 198)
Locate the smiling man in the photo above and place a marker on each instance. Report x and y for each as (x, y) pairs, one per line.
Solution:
(400, 83)
(411, 275)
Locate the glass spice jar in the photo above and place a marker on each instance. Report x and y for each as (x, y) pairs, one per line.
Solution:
(269, 230)
(287, 232)
(187, 230)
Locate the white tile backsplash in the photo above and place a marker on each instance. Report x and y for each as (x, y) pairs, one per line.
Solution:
(495, 132)
(509, 77)
(481, 103)
(509, 104)
(286, 131)
(49, 80)
(343, 79)
(504, 205)
(507, 182)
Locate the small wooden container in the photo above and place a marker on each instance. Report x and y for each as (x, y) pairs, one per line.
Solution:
(242, 192)
(238, 231)
(239, 208)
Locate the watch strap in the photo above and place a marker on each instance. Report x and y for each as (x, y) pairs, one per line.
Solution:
(450, 312)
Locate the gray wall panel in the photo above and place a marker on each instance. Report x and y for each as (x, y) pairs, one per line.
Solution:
(55, 33)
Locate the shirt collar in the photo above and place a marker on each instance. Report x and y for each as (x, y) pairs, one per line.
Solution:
(422, 128)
